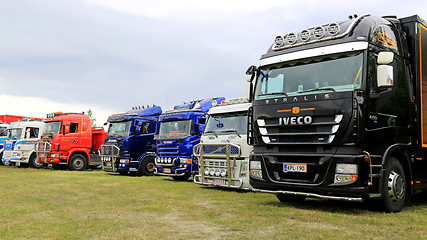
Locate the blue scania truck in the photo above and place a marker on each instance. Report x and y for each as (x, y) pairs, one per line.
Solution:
(130, 147)
(180, 131)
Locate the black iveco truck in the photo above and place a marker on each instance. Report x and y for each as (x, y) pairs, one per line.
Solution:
(338, 112)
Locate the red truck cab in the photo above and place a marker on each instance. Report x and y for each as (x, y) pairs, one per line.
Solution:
(70, 141)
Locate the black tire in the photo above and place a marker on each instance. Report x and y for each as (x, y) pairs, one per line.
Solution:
(394, 186)
(34, 162)
(147, 166)
(77, 163)
(290, 198)
(181, 178)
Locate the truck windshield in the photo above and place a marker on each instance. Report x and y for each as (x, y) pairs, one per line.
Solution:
(226, 123)
(119, 129)
(52, 128)
(14, 133)
(175, 129)
(2, 131)
(337, 72)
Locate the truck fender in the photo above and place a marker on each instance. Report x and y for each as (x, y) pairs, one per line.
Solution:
(400, 152)
(82, 151)
(145, 155)
(141, 160)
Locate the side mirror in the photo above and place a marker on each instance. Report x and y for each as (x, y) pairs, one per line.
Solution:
(385, 57)
(251, 72)
(384, 71)
(384, 76)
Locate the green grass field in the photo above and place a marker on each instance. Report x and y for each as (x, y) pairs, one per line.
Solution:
(48, 204)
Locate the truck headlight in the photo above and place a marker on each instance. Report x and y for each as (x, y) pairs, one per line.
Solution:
(169, 160)
(54, 155)
(217, 172)
(243, 169)
(345, 173)
(223, 172)
(346, 168)
(206, 171)
(255, 169)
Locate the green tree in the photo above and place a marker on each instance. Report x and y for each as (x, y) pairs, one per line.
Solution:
(92, 117)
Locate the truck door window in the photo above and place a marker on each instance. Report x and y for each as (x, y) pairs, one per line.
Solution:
(32, 132)
(74, 127)
(2, 131)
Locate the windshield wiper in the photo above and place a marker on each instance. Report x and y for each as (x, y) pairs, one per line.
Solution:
(318, 89)
(232, 130)
(212, 132)
(274, 93)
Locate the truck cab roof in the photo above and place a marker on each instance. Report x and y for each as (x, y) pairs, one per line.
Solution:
(136, 113)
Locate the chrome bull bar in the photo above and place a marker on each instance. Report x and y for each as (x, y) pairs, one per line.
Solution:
(109, 154)
(229, 151)
(43, 150)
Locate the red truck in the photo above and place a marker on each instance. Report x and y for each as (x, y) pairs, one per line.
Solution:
(6, 118)
(70, 140)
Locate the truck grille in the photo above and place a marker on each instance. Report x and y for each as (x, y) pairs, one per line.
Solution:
(168, 149)
(216, 150)
(110, 150)
(321, 130)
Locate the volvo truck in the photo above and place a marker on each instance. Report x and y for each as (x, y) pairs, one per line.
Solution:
(338, 112)
(223, 152)
(130, 147)
(180, 131)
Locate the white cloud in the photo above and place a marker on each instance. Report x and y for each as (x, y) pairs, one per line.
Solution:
(39, 107)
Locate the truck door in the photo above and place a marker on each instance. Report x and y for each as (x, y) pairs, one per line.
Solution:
(72, 137)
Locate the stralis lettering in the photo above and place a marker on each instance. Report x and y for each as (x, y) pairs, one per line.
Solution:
(295, 120)
(299, 98)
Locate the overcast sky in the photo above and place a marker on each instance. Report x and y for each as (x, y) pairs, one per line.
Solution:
(111, 55)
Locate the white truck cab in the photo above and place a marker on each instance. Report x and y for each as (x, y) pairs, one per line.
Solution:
(223, 152)
(19, 145)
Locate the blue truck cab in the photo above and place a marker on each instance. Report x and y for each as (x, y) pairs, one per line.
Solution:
(3, 137)
(180, 130)
(130, 147)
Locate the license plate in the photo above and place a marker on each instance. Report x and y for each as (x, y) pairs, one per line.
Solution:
(41, 154)
(218, 182)
(108, 164)
(17, 164)
(295, 167)
(166, 170)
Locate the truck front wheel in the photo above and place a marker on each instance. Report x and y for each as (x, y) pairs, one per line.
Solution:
(77, 163)
(34, 162)
(393, 192)
(147, 167)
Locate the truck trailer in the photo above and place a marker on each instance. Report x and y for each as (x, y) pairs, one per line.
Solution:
(69, 140)
(22, 136)
(130, 147)
(338, 112)
(180, 131)
(223, 152)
